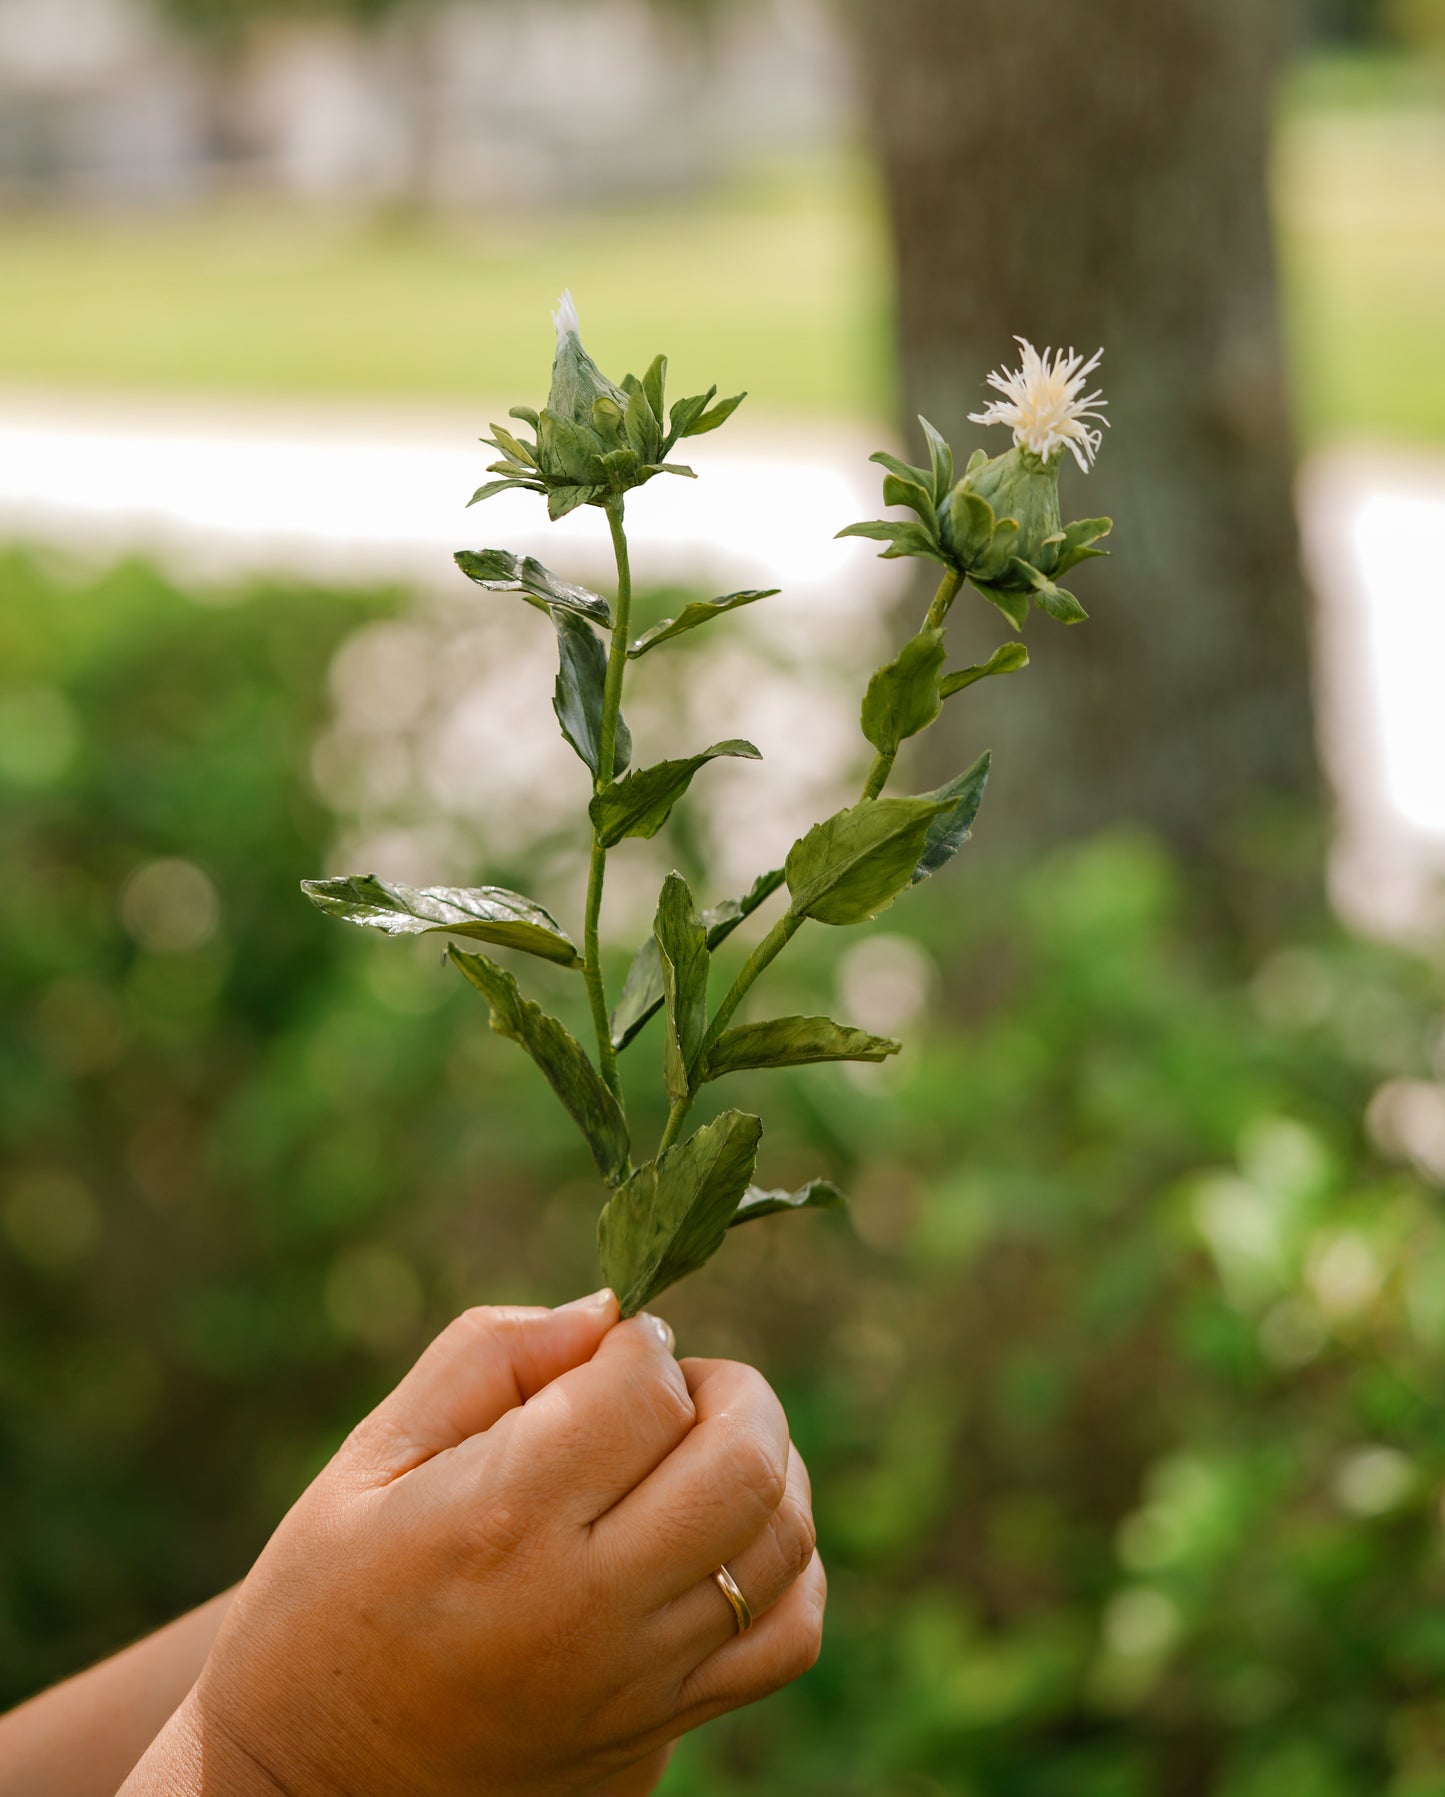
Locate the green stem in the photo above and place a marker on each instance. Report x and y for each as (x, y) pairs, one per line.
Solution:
(943, 598)
(762, 956)
(606, 767)
(676, 1117)
(878, 774)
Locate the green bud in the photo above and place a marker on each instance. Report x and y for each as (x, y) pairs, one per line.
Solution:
(577, 382)
(1021, 486)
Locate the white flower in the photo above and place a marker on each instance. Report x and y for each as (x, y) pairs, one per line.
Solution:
(564, 318)
(1045, 402)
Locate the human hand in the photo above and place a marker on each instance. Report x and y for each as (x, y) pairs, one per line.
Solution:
(501, 1583)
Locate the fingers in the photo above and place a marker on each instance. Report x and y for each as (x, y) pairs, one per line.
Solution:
(701, 1620)
(779, 1647)
(713, 1496)
(485, 1363)
(600, 1429)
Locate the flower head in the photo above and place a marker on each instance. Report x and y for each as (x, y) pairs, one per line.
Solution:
(564, 319)
(1045, 402)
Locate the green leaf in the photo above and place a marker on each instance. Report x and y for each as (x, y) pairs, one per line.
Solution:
(700, 611)
(654, 384)
(1079, 538)
(499, 571)
(577, 694)
(854, 864)
(519, 451)
(672, 1215)
(683, 957)
(793, 1042)
(640, 804)
(952, 828)
(1008, 658)
(487, 913)
(904, 470)
(902, 539)
(557, 1052)
(941, 457)
(1014, 606)
(564, 499)
(903, 696)
(642, 992)
(716, 415)
(684, 416)
(757, 1201)
(494, 487)
(1054, 600)
(918, 499)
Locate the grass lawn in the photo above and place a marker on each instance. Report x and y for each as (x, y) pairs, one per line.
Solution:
(781, 283)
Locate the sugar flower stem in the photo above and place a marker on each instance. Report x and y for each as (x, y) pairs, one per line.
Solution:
(606, 767)
(676, 1117)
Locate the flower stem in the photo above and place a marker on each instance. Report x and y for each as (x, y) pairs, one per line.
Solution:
(606, 767)
(676, 1117)
(762, 956)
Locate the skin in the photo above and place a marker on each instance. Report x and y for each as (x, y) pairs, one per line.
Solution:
(500, 1585)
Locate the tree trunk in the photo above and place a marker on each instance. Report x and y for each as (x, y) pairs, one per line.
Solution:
(1096, 174)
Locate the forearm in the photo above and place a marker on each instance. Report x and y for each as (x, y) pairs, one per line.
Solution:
(82, 1738)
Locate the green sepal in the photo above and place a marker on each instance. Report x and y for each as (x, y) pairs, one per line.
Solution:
(1014, 606)
(941, 458)
(903, 697)
(493, 487)
(499, 571)
(501, 438)
(642, 992)
(897, 491)
(918, 477)
(557, 1052)
(673, 1214)
(715, 415)
(525, 413)
(577, 693)
(902, 539)
(640, 804)
(1008, 658)
(757, 1201)
(854, 864)
(700, 611)
(975, 462)
(683, 957)
(793, 1042)
(654, 385)
(954, 825)
(486, 913)
(684, 415)
(640, 426)
(1050, 598)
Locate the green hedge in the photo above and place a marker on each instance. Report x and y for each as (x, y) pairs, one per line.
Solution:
(1123, 1407)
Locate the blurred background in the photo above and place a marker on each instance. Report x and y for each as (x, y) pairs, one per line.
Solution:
(1123, 1401)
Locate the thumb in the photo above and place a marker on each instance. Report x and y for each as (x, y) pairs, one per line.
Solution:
(488, 1361)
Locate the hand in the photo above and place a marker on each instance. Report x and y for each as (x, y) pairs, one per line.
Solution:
(501, 1584)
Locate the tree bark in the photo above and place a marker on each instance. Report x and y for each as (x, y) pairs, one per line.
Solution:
(1096, 174)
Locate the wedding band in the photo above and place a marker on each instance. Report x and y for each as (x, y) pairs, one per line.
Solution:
(728, 1585)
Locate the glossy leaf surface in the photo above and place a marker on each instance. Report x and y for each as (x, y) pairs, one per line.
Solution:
(854, 864)
(577, 694)
(700, 611)
(499, 571)
(794, 1042)
(758, 1201)
(485, 913)
(639, 804)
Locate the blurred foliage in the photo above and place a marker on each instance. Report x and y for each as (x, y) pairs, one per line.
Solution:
(1122, 1408)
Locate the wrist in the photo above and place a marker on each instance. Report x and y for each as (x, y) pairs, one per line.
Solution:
(197, 1755)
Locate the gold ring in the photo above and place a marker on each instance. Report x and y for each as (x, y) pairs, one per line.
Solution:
(728, 1585)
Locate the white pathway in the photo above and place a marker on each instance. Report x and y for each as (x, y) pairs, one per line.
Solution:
(356, 492)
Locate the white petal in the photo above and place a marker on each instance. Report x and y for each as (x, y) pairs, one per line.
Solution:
(564, 319)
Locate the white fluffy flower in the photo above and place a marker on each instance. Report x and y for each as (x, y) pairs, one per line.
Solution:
(1045, 402)
(564, 319)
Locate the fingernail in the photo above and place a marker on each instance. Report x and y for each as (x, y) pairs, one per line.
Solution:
(664, 1330)
(593, 1301)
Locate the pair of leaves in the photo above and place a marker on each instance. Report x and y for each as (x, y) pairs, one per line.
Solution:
(484, 913)
(670, 1217)
(700, 611)
(923, 490)
(640, 804)
(643, 991)
(559, 1055)
(499, 571)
